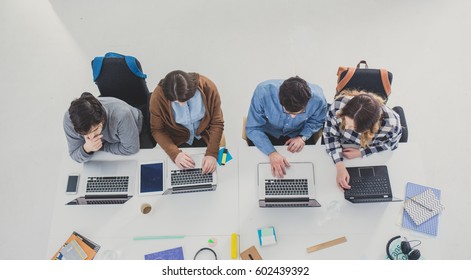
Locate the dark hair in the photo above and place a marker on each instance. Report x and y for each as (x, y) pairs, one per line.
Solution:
(294, 94)
(179, 85)
(365, 111)
(86, 112)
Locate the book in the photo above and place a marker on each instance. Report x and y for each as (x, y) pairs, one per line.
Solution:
(423, 206)
(171, 254)
(421, 196)
(77, 247)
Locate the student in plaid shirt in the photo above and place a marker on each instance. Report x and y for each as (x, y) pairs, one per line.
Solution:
(358, 124)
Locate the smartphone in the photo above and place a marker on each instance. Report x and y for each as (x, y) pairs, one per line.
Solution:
(72, 184)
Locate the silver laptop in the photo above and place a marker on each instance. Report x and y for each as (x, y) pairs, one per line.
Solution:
(107, 182)
(189, 180)
(295, 189)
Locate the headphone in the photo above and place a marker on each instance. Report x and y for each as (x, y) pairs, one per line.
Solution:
(205, 249)
(406, 249)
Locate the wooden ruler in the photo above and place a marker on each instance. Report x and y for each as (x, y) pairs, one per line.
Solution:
(327, 244)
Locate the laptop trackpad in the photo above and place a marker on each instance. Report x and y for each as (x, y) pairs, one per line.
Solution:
(366, 172)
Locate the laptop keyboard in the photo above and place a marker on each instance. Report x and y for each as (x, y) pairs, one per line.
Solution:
(286, 187)
(106, 201)
(373, 186)
(190, 176)
(107, 184)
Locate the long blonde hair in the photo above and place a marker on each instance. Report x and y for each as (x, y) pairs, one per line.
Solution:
(365, 110)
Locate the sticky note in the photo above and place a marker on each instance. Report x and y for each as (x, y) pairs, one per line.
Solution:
(267, 236)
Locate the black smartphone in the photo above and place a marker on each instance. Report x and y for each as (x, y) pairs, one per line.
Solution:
(72, 184)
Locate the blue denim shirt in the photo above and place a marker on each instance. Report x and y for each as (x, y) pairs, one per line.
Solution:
(190, 114)
(266, 115)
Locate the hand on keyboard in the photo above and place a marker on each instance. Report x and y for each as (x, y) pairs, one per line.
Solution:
(278, 164)
(183, 160)
(343, 177)
(209, 164)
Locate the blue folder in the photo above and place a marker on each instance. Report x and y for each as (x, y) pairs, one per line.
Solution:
(430, 226)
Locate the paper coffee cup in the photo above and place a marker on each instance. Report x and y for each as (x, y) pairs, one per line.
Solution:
(146, 208)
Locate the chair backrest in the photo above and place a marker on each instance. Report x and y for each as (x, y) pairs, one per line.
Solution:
(244, 133)
(121, 77)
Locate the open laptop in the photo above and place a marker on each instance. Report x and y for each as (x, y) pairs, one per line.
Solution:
(189, 180)
(106, 182)
(295, 189)
(369, 184)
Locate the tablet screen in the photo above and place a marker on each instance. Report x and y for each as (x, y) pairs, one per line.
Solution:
(151, 178)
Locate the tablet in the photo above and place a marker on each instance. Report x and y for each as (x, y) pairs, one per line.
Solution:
(151, 178)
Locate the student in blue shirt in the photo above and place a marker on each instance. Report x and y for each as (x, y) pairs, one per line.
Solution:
(288, 113)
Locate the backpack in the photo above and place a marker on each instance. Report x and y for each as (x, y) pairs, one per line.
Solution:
(377, 81)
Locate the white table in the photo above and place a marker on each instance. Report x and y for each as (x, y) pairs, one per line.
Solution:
(197, 216)
(367, 227)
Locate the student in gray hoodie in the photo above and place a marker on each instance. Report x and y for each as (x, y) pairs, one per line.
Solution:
(104, 123)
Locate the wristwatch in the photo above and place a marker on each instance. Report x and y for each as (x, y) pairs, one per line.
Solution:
(304, 138)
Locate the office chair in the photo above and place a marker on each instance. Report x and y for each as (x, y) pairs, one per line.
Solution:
(121, 77)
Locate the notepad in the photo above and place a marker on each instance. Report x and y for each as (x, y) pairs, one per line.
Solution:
(429, 226)
(423, 206)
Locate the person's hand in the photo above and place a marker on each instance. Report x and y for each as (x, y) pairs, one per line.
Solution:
(342, 176)
(351, 153)
(93, 144)
(278, 164)
(209, 164)
(295, 145)
(183, 161)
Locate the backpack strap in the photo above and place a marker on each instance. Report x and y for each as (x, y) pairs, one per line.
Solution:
(343, 82)
(131, 62)
(385, 81)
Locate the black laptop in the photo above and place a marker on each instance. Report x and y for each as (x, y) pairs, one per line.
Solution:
(369, 184)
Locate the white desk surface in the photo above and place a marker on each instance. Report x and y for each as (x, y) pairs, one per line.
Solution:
(197, 216)
(367, 227)
(233, 208)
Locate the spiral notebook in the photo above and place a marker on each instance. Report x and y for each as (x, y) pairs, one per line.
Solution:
(422, 208)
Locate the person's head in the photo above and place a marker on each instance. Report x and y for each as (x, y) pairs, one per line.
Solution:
(294, 95)
(179, 86)
(87, 115)
(361, 114)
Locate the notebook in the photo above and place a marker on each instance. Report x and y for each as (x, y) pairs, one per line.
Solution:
(430, 225)
(295, 189)
(189, 180)
(368, 184)
(106, 182)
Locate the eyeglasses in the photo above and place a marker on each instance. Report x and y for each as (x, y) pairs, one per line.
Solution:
(293, 113)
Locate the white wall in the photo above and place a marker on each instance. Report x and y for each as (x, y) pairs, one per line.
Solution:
(46, 48)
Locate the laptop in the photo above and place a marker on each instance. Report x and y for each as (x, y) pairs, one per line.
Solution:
(189, 180)
(295, 189)
(107, 182)
(369, 184)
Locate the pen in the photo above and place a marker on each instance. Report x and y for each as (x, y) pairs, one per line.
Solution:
(410, 198)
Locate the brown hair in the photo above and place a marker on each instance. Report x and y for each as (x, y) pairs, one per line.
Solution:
(365, 110)
(294, 94)
(179, 85)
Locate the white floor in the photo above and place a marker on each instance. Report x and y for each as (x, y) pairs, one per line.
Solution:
(46, 48)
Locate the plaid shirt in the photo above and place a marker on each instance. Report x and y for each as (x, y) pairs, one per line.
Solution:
(386, 138)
